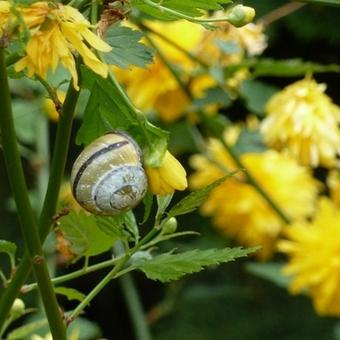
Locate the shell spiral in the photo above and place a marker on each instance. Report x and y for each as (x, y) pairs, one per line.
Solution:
(108, 178)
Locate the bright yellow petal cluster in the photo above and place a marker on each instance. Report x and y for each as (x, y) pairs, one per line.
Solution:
(167, 178)
(56, 32)
(238, 210)
(303, 120)
(314, 258)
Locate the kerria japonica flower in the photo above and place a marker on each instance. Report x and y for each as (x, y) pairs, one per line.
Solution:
(313, 250)
(303, 121)
(56, 33)
(238, 210)
(168, 177)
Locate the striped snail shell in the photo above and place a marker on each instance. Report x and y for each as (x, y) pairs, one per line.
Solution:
(108, 178)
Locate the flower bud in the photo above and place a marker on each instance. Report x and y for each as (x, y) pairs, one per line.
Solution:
(18, 308)
(241, 15)
(170, 226)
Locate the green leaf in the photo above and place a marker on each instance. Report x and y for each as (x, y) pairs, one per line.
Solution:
(249, 141)
(126, 48)
(112, 225)
(23, 331)
(147, 200)
(170, 266)
(269, 271)
(188, 7)
(70, 293)
(10, 249)
(84, 235)
(196, 198)
(107, 109)
(131, 225)
(289, 68)
(256, 94)
(324, 2)
(163, 202)
(213, 95)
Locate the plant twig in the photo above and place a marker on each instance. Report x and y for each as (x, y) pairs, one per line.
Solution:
(25, 213)
(60, 152)
(280, 12)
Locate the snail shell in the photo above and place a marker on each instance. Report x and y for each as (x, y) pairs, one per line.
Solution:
(108, 178)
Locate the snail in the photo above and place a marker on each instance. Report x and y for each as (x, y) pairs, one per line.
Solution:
(108, 178)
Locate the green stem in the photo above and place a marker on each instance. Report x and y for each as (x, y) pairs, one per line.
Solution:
(56, 175)
(135, 307)
(77, 311)
(25, 213)
(133, 302)
(73, 275)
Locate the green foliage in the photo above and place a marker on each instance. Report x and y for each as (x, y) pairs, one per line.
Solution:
(10, 249)
(249, 141)
(169, 266)
(84, 235)
(256, 94)
(195, 198)
(289, 67)
(70, 293)
(126, 48)
(108, 109)
(26, 330)
(324, 2)
(270, 271)
(189, 7)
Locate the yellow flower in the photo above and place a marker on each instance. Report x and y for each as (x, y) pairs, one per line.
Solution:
(60, 31)
(238, 210)
(167, 178)
(155, 88)
(333, 182)
(314, 258)
(303, 121)
(235, 43)
(4, 13)
(50, 108)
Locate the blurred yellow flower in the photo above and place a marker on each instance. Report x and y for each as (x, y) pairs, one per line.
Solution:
(61, 30)
(314, 258)
(303, 120)
(167, 178)
(230, 44)
(4, 12)
(238, 210)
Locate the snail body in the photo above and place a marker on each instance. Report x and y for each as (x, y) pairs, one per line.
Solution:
(108, 178)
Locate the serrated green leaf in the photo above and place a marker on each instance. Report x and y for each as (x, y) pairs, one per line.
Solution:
(192, 8)
(112, 225)
(107, 109)
(23, 331)
(213, 95)
(85, 237)
(269, 271)
(256, 94)
(70, 293)
(289, 68)
(126, 48)
(169, 266)
(195, 199)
